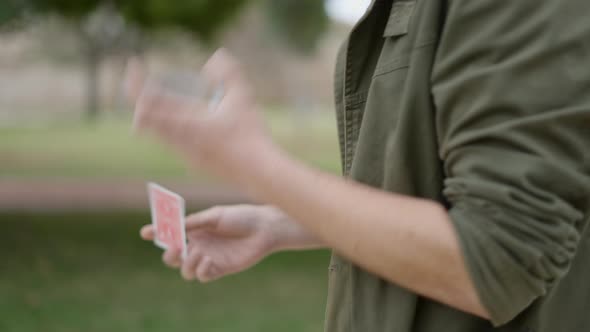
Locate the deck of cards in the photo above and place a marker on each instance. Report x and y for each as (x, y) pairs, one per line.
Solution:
(167, 209)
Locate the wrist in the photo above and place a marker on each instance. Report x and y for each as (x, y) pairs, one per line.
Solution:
(287, 234)
(277, 228)
(261, 163)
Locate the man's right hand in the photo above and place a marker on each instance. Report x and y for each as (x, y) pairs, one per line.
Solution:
(228, 239)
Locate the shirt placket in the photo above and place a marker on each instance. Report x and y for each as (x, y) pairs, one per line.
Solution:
(353, 101)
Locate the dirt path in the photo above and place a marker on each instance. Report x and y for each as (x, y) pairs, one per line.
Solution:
(98, 194)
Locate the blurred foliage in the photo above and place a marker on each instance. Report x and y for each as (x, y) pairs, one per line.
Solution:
(201, 17)
(107, 26)
(300, 23)
(9, 10)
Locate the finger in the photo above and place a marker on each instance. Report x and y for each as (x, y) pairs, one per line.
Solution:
(202, 271)
(208, 219)
(190, 264)
(169, 117)
(214, 273)
(172, 258)
(134, 79)
(152, 106)
(147, 232)
(222, 69)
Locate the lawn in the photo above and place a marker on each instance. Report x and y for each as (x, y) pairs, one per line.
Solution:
(87, 272)
(91, 273)
(107, 149)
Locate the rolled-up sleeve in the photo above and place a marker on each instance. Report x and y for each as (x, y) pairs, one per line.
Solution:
(511, 85)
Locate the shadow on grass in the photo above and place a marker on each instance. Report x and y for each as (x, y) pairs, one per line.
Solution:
(77, 272)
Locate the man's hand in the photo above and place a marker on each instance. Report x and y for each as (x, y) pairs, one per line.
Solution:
(229, 239)
(223, 139)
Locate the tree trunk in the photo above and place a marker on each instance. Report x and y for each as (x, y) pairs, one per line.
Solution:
(93, 60)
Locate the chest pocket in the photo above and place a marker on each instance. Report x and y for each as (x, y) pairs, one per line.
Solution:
(397, 45)
(385, 97)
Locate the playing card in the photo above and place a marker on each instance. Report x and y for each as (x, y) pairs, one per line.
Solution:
(167, 210)
(189, 87)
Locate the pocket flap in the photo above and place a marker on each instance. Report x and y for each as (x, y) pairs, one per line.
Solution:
(399, 18)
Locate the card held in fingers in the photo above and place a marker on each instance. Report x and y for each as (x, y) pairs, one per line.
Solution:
(167, 209)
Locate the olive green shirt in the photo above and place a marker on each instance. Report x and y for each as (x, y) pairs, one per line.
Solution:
(484, 106)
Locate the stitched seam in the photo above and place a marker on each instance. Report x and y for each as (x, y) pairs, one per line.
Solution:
(390, 70)
(347, 124)
(402, 61)
(356, 99)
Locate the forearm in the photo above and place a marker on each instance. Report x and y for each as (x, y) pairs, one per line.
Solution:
(289, 234)
(405, 240)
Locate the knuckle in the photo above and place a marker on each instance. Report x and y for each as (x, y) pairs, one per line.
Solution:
(219, 211)
(185, 272)
(186, 276)
(170, 259)
(203, 278)
(212, 214)
(216, 210)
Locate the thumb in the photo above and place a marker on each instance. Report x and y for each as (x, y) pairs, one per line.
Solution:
(135, 77)
(208, 219)
(147, 232)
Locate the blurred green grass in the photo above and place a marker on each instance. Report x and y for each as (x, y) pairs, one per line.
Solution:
(79, 272)
(107, 149)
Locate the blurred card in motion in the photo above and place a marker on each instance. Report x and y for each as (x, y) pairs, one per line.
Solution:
(189, 86)
(167, 210)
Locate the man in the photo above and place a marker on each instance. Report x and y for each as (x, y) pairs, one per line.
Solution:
(463, 128)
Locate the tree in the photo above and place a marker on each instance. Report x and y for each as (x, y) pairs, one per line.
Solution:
(9, 11)
(300, 23)
(108, 25)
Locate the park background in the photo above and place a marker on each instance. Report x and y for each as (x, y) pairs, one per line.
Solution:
(72, 176)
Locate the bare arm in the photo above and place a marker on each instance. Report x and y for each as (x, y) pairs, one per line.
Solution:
(408, 241)
(405, 240)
